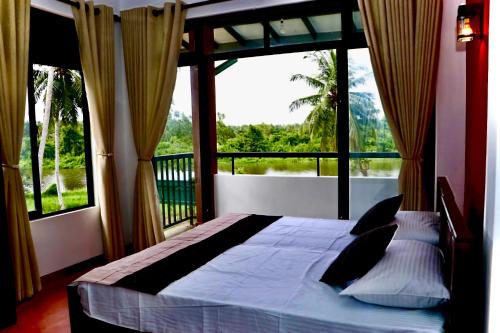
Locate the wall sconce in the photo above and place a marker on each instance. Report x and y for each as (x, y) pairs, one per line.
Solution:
(469, 22)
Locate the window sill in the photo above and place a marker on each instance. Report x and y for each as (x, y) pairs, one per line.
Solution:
(36, 217)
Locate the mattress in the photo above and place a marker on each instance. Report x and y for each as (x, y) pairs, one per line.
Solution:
(270, 283)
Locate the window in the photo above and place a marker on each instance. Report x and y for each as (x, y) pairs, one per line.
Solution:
(55, 164)
(374, 162)
(351, 139)
(278, 115)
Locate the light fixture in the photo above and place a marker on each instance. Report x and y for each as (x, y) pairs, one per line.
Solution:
(469, 21)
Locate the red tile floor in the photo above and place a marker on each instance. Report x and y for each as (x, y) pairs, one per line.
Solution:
(47, 311)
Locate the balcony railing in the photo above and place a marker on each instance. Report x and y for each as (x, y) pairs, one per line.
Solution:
(175, 178)
(175, 183)
(317, 156)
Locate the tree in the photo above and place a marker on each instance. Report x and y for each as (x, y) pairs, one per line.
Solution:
(321, 121)
(63, 98)
(224, 132)
(44, 82)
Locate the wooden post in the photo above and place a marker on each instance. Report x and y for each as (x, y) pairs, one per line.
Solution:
(204, 122)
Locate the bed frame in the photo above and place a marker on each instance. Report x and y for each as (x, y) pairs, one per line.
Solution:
(459, 251)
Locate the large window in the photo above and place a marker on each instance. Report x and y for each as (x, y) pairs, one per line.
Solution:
(56, 164)
(342, 133)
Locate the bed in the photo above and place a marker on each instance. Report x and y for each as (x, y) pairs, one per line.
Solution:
(269, 283)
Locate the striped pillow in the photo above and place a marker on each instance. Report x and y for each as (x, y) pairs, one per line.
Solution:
(421, 226)
(408, 276)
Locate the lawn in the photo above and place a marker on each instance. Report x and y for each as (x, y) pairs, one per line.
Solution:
(50, 203)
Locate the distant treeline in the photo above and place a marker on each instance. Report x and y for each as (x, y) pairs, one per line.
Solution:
(266, 137)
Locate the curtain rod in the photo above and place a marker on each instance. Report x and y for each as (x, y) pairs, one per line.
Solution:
(156, 12)
(116, 18)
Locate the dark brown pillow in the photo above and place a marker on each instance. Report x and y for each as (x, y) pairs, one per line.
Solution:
(359, 256)
(379, 215)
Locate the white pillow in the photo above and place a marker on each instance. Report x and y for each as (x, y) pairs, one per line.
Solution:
(421, 226)
(408, 276)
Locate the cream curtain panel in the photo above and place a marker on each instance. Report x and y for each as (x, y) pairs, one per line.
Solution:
(151, 46)
(14, 44)
(403, 39)
(97, 54)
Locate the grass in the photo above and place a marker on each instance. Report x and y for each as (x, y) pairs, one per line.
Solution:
(179, 211)
(50, 203)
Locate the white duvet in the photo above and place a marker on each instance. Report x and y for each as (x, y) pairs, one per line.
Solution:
(268, 284)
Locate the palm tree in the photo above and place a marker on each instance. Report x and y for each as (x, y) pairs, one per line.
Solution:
(65, 101)
(44, 81)
(321, 121)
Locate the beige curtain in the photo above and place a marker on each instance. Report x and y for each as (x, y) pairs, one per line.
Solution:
(97, 53)
(403, 39)
(14, 44)
(151, 46)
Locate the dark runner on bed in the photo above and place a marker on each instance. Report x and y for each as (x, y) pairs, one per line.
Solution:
(155, 268)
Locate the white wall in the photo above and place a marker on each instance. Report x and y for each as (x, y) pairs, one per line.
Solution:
(367, 191)
(66, 239)
(296, 196)
(450, 104)
(491, 229)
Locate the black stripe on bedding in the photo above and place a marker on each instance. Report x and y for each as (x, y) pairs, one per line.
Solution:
(155, 277)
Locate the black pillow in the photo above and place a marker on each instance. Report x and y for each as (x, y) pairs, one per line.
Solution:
(381, 214)
(359, 256)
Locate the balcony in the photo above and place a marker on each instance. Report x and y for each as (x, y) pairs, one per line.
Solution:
(308, 194)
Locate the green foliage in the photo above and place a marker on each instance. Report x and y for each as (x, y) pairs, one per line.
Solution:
(178, 135)
(224, 132)
(72, 148)
(51, 190)
(72, 140)
(367, 131)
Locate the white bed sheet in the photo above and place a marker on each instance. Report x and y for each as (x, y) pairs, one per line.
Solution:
(268, 284)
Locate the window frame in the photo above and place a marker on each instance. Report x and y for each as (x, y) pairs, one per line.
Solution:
(69, 59)
(351, 39)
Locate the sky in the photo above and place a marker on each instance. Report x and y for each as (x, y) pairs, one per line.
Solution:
(258, 90)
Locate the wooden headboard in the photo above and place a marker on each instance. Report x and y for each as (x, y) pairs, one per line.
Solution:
(460, 262)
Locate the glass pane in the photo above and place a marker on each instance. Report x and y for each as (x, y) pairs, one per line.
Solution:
(369, 131)
(185, 42)
(358, 23)
(61, 143)
(25, 163)
(329, 167)
(178, 135)
(375, 169)
(274, 104)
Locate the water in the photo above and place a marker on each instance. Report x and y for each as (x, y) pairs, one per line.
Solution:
(73, 179)
(373, 167)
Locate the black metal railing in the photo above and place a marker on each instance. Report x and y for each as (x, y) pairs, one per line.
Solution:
(317, 156)
(175, 184)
